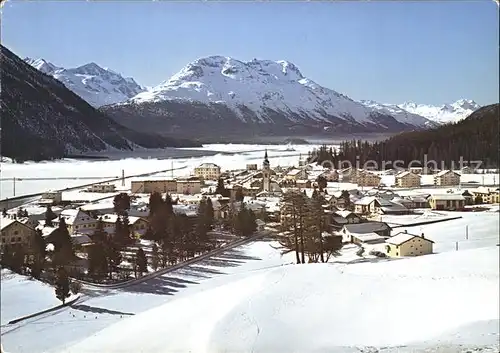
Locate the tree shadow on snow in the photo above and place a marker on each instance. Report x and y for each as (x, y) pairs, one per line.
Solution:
(200, 271)
(238, 255)
(221, 262)
(205, 269)
(93, 309)
(368, 259)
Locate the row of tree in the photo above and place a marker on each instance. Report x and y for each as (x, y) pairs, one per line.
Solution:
(303, 223)
(179, 237)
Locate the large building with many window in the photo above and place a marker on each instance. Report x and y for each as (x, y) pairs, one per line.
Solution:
(207, 171)
(14, 233)
(161, 185)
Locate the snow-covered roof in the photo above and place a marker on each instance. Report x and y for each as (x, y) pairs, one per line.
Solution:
(407, 173)
(6, 221)
(71, 215)
(444, 172)
(98, 206)
(403, 237)
(483, 190)
(365, 200)
(111, 218)
(367, 237)
(294, 172)
(418, 199)
(208, 165)
(345, 213)
(46, 231)
(456, 197)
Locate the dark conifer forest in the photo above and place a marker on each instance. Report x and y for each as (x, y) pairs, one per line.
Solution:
(472, 139)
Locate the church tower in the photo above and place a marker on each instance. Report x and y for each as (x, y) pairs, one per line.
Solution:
(266, 174)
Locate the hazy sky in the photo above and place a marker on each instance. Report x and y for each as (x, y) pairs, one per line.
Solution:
(391, 52)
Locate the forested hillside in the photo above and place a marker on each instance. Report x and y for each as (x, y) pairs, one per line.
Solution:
(473, 139)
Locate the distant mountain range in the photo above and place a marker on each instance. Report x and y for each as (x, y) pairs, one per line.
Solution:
(221, 95)
(257, 86)
(42, 119)
(447, 113)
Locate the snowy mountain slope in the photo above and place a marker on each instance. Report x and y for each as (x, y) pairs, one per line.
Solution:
(43, 119)
(214, 91)
(42, 65)
(255, 84)
(447, 113)
(400, 114)
(96, 85)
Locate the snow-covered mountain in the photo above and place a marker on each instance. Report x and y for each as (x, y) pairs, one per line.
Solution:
(447, 113)
(217, 90)
(43, 119)
(96, 85)
(400, 114)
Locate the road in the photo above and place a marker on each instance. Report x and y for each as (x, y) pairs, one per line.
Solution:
(147, 280)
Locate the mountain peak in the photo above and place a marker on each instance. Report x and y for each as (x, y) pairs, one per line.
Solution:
(231, 68)
(41, 65)
(90, 69)
(95, 84)
(466, 104)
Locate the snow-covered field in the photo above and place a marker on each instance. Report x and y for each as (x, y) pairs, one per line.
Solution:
(252, 299)
(324, 308)
(473, 230)
(101, 308)
(22, 296)
(105, 169)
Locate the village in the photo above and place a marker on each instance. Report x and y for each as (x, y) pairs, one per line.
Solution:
(309, 209)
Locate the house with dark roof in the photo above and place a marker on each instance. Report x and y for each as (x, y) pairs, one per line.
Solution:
(350, 232)
(371, 204)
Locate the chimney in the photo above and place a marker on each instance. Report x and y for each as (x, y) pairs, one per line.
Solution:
(423, 236)
(406, 231)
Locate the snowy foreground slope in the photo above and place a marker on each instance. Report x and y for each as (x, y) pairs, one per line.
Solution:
(431, 303)
(21, 296)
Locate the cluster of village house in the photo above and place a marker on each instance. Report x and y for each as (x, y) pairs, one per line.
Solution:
(262, 189)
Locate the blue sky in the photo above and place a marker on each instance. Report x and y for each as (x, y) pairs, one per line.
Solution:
(391, 52)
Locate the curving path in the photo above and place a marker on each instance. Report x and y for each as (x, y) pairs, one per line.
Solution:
(88, 285)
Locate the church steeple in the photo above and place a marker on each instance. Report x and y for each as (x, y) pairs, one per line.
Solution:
(266, 160)
(266, 174)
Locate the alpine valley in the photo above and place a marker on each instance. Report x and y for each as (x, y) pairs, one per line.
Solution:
(220, 96)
